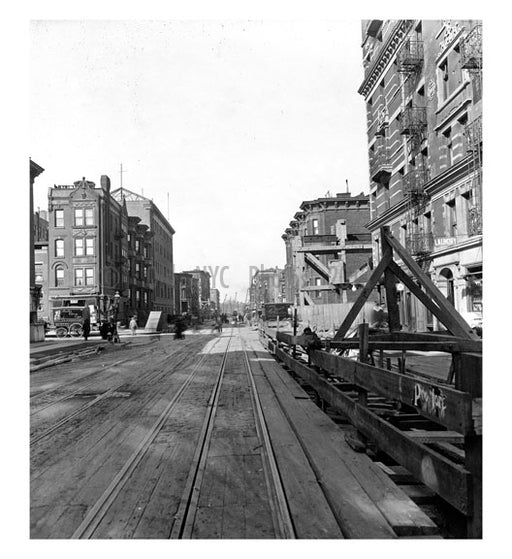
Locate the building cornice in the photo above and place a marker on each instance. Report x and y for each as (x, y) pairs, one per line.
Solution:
(450, 176)
(384, 219)
(385, 55)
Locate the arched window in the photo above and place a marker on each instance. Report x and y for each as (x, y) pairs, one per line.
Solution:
(447, 278)
(59, 276)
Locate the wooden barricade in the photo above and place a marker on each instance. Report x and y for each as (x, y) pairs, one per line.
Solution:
(455, 408)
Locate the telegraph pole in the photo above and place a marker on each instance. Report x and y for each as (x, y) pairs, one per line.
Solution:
(121, 171)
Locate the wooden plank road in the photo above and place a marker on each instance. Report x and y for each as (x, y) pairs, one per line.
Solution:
(192, 451)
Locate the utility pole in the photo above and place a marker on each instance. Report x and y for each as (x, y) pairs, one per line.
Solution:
(121, 176)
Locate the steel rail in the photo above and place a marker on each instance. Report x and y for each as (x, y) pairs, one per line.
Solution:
(277, 496)
(99, 370)
(94, 517)
(36, 438)
(185, 516)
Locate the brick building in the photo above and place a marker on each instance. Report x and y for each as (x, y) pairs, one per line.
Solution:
(203, 277)
(159, 255)
(267, 286)
(422, 88)
(41, 232)
(140, 285)
(328, 250)
(214, 300)
(186, 292)
(87, 249)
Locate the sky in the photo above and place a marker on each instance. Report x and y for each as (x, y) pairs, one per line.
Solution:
(227, 125)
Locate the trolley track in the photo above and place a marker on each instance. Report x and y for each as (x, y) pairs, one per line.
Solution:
(94, 517)
(277, 497)
(148, 377)
(97, 371)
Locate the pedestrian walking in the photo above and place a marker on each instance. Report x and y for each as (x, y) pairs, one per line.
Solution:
(133, 325)
(86, 326)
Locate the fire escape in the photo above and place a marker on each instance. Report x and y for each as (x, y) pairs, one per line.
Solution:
(471, 60)
(413, 126)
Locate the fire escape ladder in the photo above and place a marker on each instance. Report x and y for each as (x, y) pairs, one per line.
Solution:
(473, 133)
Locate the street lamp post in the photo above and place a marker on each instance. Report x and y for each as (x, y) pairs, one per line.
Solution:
(117, 296)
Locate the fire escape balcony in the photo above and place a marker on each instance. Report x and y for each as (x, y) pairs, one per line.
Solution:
(471, 49)
(419, 244)
(382, 120)
(409, 57)
(473, 135)
(475, 221)
(380, 166)
(414, 120)
(414, 181)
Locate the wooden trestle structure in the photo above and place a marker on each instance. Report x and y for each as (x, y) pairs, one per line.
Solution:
(447, 456)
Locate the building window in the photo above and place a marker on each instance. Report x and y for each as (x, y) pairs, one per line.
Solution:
(137, 270)
(59, 276)
(451, 218)
(59, 218)
(89, 216)
(443, 78)
(145, 294)
(89, 247)
(79, 276)
(89, 276)
(145, 272)
(79, 217)
(59, 248)
(315, 226)
(137, 245)
(79, 247)
(448, 147)
(449, 74)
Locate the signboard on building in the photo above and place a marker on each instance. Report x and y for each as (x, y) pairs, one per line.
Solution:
(444, 241)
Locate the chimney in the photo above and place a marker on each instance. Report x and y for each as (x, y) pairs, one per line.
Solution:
(105, 183)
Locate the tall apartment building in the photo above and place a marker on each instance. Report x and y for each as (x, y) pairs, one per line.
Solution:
(214, 300)
(140, 288)
(328, 250)
(423, 92)
(88, 248)
(161, 257)
(203, 277)
(186, 294)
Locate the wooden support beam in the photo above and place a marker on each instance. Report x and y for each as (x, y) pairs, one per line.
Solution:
(307, 298)
(448, 347)
(423, 436)
(329, 287)
(390, 284)
(470, 379)
(447, 318)
(447, 479)
(317, 265)
(320, 249)
(363, 296)
(438, 402)
(432, 291)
